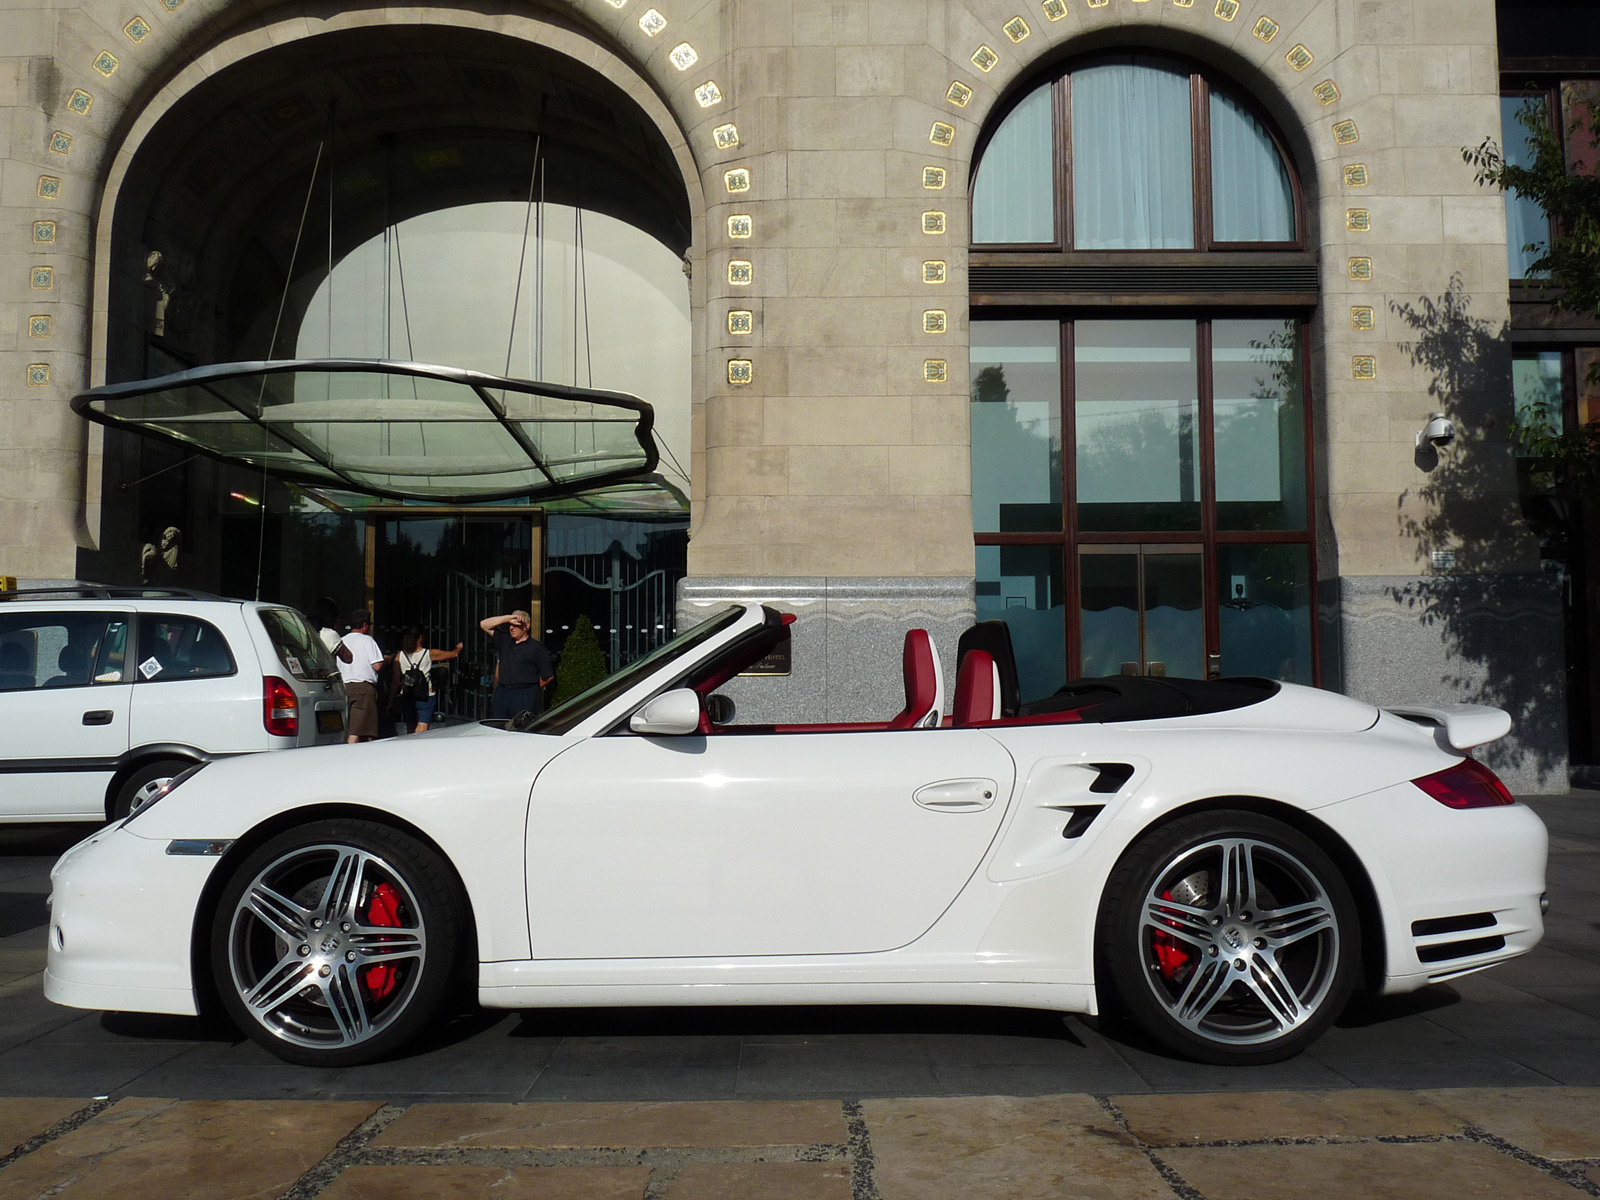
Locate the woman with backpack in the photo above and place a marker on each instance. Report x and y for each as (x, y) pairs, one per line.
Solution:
(414, 678)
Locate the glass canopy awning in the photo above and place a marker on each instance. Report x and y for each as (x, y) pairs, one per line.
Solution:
(398, 430)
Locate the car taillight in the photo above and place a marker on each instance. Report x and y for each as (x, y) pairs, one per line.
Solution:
(280, 709)
(1468, 784)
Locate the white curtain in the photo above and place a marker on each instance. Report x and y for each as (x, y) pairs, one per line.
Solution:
(1251, 200)
(1133, 174)
(1013, 198)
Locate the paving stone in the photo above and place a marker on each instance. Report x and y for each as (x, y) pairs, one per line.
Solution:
(1552, 1122)
(1006, 1148)
(501, 1183)
(592, 1126)
(160, 1149)
(1257, 1116)
(761, 1181)
(1362, 1171)
(24, 1119)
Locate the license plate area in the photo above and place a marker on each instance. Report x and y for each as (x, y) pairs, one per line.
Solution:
(330, 720)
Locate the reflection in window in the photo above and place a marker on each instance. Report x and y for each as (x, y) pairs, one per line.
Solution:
(1526, 223)
(1251, 199)
(1013, 195)
(1259, 424)
(1132, 179)
(1022, 585)
(1137, 404)
(1536, 382)
(1264, 613)
(1016, 426)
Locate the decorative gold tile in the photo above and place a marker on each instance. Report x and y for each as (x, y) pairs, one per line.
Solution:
(1266, 29)
(1227, 9)
(959, 94)
(740, 371)
(1016, 29)
(652, 22)
(933, 271)
(1364, 366)
(38, 374)
(740, 273)
(1054, 10)
(683, 56)
(708, 93)
(1360, 269)
(60, 143)
(1358, 220)
(933, 222)
(106, 63)
(42, 279)
(725, 136)
(1182, 3)
(1355, 175)
(933, 178)
(1299, 57)
(1363, 318)
(935, 370)
(79, 101)
(49, 187)
(44, 233)
(1345, 133)
(1326, 92)
(39, 326)
(741, 321)
(984, 59)
(617, 3)
(136, 30)
(739, 225)
(935, 320)
(736, 180)
(1098, 3)
(172, 5)
(942, 134)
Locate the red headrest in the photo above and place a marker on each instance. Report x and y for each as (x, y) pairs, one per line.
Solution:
(924, 682)
(977, 699)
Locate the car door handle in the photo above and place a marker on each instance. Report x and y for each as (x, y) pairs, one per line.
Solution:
(957, 795)
(97, 716)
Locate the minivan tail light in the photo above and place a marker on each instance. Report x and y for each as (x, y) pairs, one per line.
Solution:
(1468, 784)
(280, 708)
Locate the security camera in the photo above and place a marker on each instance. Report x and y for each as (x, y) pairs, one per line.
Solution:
(1438, 433)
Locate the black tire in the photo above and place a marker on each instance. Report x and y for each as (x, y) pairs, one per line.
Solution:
(136, 789)
(337, 942)
(1229, 937)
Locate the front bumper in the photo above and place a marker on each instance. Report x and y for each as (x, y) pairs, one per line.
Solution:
(121, 924)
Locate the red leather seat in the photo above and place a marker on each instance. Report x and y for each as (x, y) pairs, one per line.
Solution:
(977, 699)
(924, 683)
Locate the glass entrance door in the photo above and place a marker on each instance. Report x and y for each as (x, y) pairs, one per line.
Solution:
(1141, 610)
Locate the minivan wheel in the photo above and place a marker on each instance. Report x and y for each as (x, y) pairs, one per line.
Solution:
(144, 785)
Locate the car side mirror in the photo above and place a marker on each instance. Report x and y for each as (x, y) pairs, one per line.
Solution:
(720, 708)
(673, 713)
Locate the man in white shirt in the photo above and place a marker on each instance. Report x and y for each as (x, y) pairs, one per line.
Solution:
(360, 677)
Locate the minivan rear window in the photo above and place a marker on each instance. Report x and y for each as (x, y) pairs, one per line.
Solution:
(299, 648)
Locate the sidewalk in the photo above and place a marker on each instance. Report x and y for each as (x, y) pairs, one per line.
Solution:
(1519, 1144)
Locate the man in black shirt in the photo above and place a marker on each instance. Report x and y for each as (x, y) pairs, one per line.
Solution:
(525, 665)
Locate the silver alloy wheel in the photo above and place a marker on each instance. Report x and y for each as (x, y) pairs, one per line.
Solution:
(1239, 940)
(148, 791)
(302, 946)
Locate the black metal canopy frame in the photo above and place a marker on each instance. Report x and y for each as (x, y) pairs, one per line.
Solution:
(398, 430)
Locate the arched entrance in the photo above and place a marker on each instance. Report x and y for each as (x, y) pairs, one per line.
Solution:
(428, 193)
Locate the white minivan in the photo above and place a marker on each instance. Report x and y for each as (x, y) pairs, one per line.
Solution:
(106, 694)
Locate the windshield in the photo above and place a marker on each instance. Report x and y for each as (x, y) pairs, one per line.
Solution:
(299, 648)
(569, 714)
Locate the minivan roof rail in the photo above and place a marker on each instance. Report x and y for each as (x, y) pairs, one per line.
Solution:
(95, 591)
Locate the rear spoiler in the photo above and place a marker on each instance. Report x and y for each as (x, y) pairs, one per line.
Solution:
(1464, 725)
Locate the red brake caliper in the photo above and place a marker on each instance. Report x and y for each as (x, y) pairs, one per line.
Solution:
(383, 909)
(1170, 956)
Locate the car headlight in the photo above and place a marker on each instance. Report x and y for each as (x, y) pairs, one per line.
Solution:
(172, 785)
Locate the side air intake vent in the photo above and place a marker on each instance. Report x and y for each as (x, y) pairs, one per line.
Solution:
(1438, 925)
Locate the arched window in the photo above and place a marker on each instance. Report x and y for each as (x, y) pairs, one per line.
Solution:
(1140, 408)
(1133, 153)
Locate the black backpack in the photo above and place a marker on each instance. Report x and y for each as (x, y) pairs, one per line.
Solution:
(414, 683)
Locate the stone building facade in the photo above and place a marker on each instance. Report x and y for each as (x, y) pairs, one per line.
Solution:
(824, 153)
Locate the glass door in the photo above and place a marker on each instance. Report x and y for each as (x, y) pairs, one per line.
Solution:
(1141, 610)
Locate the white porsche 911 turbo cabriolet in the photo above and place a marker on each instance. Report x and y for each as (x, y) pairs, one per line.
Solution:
(1221, 861)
